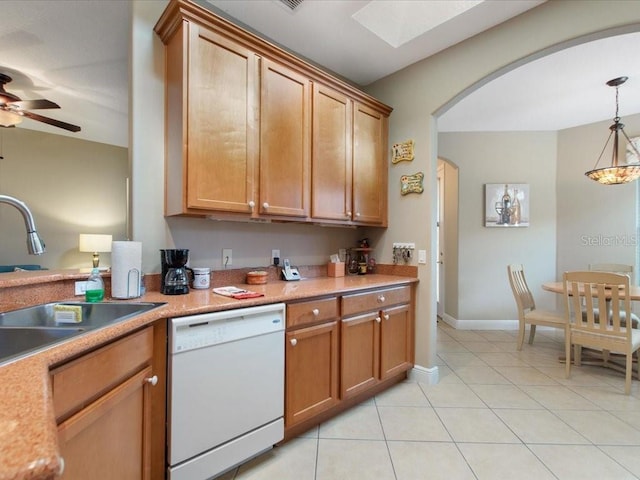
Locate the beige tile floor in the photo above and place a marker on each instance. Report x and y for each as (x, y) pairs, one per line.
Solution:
(496, 414)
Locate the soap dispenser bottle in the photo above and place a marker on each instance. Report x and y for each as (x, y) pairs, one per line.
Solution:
(95, 287)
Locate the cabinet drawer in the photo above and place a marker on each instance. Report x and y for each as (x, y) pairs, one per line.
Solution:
(376, 300)
(313, 311)
(81, 381)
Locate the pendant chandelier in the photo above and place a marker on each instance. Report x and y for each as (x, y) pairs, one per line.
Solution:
(616, 174)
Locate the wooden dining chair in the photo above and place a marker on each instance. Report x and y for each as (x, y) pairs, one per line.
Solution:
(585, 330)
(622, 269)
(527, 311)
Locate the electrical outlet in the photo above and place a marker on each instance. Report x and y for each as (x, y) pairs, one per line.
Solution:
(274, 254)
(227, 257)
(80, 288)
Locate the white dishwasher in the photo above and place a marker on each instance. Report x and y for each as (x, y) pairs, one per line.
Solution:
(226, 389)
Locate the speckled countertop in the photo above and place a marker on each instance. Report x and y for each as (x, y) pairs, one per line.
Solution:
(28, 436)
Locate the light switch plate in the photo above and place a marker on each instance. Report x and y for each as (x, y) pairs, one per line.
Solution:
(422, 257)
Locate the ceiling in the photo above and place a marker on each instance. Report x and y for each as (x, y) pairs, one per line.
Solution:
(75, 53)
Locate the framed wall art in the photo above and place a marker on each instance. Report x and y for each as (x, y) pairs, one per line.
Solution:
(506, 205)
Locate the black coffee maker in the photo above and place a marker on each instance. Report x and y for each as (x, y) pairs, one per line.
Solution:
(175, 274)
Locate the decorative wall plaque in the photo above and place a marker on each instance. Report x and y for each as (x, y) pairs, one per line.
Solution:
(411, 183)
(402, 152)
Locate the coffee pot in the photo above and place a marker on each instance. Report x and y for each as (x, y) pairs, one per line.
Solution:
(175, 273)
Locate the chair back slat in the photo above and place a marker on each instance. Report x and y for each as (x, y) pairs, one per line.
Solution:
(521, 292)
(598, 288)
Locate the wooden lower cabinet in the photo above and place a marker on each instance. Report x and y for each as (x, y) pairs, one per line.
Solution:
(311, 376)
(378, 343)
(396, 341)
(334, 363)
(109, 438)
(360, 360)
(106, 404)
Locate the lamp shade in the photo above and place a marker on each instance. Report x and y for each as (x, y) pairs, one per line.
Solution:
(90, 242)
(616, 174)
(8, 119)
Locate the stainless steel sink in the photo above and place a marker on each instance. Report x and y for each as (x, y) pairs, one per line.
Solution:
(30, 329)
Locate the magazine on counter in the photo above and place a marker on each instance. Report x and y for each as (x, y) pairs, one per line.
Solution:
(235, 292)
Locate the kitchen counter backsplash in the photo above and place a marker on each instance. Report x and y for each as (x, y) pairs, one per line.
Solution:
(23, 289)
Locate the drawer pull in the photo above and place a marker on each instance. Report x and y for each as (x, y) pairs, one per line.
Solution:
(348, 215)
(294, 342)
(153, 381)
(381, 299)
(265, 205)
(315, 312)
(252, 204)
(386, 316)
(357, 214)
(378, 319)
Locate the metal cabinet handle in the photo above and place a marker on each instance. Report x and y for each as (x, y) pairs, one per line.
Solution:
(265, 205)
(348, 215)
(378, 319)
(252, 204)
(294, 342)
(386, 316)
(357, 214)
(153, 381)
(315, 312)
(381, 299)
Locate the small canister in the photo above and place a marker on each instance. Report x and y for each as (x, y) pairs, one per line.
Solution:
(201, 277)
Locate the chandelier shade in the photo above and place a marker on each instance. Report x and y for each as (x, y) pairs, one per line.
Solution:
(616, 174)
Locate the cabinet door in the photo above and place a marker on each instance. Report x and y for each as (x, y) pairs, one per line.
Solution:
(285, 115)
(369, 166)
(395, 341)
(331, 159)
(360, 353)
(110, 437)
(311, 380)
(222, 125)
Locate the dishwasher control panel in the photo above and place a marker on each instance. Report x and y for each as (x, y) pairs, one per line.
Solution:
(199, 331)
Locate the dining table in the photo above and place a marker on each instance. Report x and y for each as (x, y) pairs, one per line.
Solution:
(558, 287)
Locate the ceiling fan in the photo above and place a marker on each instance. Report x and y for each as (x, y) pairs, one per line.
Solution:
(12, 109)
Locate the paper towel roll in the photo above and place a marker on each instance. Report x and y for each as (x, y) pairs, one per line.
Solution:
(126, 269)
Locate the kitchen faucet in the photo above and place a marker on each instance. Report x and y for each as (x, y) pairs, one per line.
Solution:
(34, 242)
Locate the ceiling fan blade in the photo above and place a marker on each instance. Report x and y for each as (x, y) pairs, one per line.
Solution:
(50, 121)
(35, 104)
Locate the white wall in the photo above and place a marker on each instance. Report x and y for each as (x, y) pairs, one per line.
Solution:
(416, 93)
(596, 223)
(424, 89)
(71, 186)
(484, 253)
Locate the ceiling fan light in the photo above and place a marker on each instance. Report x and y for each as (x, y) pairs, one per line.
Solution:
(8, 119)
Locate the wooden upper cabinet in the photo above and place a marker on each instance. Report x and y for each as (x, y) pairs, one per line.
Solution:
(221, 123)
(332, 155)
(246, 137)
(369, 166)
(211, 125)
(285, 141)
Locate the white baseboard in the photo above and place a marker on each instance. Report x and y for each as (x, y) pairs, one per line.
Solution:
(480, 324)
(429, 376)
